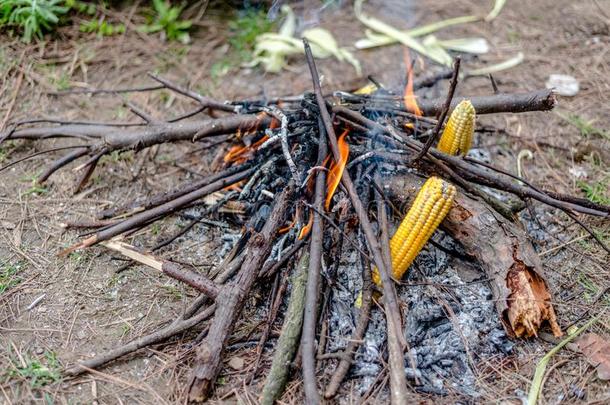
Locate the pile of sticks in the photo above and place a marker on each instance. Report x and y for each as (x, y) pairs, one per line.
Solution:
(276, 174)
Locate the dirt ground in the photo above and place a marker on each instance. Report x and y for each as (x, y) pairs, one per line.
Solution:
(57, 310)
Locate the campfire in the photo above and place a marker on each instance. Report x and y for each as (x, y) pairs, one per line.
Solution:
(340, 197)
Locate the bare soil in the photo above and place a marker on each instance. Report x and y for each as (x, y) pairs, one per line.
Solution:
(86, 307)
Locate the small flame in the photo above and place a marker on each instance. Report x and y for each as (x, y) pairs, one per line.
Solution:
(292, 223)
(307, 228)
(235, 186)
(239, 154)
(409, 95)
(336, 169)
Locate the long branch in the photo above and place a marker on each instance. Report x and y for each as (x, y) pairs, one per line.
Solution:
(142, 137)
(538, 100)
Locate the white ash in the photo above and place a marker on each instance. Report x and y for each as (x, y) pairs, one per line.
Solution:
(544, 228)
(436, 338)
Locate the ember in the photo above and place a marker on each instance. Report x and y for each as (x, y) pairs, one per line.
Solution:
(279, 168)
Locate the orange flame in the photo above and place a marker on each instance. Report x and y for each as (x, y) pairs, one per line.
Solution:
(307, 228)
(409, 95)
(336, 169)
(292, 223)
(239, 154)
(235, 186)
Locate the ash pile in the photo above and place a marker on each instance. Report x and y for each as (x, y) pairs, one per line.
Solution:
(450, 323)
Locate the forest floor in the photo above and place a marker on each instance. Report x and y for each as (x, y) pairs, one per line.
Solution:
(87, 308)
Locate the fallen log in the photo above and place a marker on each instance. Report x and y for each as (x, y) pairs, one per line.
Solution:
(509, 260)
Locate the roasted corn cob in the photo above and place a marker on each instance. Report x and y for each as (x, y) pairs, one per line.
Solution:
(457, 136)
(428, 210)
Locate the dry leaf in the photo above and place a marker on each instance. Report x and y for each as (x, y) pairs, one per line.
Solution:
(597, 351)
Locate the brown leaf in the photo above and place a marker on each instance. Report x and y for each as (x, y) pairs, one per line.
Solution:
(597, 351)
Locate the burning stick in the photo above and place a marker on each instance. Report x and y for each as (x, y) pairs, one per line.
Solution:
(539, 100)
(313, 278)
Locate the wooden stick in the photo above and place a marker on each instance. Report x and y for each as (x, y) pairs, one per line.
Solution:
(539, 100)
(161, 335)
(149, 215)
(230, 301)
(174, 270)
(288, 342)
(312, 396)
(443, 114)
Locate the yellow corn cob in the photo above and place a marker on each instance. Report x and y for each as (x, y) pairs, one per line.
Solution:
(457, 136)
(425, 215)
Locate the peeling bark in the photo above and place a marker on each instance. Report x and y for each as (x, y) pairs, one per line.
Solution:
(503, 250)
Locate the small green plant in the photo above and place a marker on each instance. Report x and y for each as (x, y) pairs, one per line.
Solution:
(585, 127)
(35, 188)
(9, 276)
(62, 82)
(102, 28)
(6, 148)
(172, 291)
(246, 28)
(78, 257)
(220, 69)
(125, 329)
(596, 192)
(82, 7)
(166, 19)
(37, 372)
(32, 17)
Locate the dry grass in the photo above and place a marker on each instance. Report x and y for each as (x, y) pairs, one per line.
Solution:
(87, 307)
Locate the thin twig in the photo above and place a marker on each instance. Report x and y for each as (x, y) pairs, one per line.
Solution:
(312, 396)
(279, 114)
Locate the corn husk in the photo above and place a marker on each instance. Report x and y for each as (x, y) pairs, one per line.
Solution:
(498, 5)
(507, 64)
(272, 49)
(373, 39)
(405, 39)
(467, 45)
